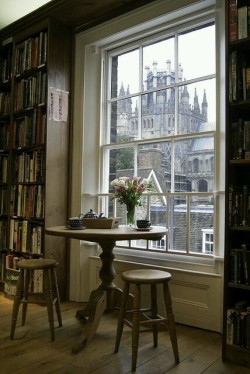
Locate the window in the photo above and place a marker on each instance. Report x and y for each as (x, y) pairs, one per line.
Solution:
(160, 105)
(105, 102)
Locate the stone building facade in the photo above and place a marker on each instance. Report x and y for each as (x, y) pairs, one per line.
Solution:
(193, 157)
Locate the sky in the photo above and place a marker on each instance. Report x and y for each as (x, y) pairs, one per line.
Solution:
(196, 54)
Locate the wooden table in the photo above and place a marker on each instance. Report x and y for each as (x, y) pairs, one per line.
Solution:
(102, 298)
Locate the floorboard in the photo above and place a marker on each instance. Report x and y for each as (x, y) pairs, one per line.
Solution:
(31, 351)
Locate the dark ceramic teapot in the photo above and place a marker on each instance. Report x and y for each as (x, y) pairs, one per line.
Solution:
(91, 214)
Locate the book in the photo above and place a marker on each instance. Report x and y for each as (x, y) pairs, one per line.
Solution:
(242, 22)
(233, 20)
(246, 262)
(247, 326)
(240, 323)
(233, 265)
(240, 268)
(230, 326)
(246, 82)
(245, 194)
(247, 140)
(24, 235)
(237, 139)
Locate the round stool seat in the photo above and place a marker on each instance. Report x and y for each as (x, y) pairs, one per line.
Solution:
(37, 264)
(152, 279)
(46, 273)
(146, 276)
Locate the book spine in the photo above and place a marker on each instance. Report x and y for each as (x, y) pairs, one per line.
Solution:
(24, 235)
(230, 326)
(247, 331)
(242, 22)
(233, 20)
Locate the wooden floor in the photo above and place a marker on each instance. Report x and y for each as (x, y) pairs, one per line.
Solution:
(32, 351)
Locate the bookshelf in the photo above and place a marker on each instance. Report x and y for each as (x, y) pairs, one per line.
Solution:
(35, 64)
(6, 53)
(236, 309)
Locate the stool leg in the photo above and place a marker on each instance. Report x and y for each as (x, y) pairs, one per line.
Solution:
(170, 320)
(154, 309)
(17, 300)
(57, 296)
(27, 277)
(122, 314)
(136, 325)
(49, 301)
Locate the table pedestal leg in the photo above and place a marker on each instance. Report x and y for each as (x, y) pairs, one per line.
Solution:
(100, 299)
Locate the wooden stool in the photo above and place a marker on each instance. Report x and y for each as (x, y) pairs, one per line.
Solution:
(51, 292)
(152, 278)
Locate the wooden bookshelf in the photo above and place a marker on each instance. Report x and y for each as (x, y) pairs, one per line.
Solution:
(35, 65)
(236, 309)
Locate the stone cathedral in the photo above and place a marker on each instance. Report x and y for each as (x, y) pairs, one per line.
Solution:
(193, 157)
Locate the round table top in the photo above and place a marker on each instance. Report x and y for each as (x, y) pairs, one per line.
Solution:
(99, 235)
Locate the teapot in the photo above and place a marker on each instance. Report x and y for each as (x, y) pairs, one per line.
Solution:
(91, 214)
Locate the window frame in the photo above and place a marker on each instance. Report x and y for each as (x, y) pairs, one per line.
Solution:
(95, 45)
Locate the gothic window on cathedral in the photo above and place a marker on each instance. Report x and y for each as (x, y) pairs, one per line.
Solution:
(160, 114)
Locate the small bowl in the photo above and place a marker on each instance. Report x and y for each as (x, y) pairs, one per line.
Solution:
(143, 223)
(75, 222)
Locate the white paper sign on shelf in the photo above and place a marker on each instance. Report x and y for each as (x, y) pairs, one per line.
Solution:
(58, 104)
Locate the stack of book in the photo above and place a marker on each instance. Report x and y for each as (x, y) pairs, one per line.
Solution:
(239, 21)
(239, 205)
(5, 67)
(239, 265)
(31, 54)
(239, 77)
(25, 236)
(4, 103)
(240, 139)
(238, 324)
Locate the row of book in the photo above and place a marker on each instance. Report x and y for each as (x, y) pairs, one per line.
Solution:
(29, 167)
(3, 201)
(4, 135)
(238, 324)
(25, 236)
(240, 139)
(31, 54)
(239, 21)
(3, 168)
(27, 201)
(239, 77)
(3, 234)
(35, 285)
(29, 130)
(5, 67)
(239, 205)
(30, 92)
(239, 265)
(4, 103)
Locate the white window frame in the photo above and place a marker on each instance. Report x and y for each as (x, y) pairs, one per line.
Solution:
(86, 175)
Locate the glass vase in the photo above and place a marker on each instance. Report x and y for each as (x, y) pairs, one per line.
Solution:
(130, 215)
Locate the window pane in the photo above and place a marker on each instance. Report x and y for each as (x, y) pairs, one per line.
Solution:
(196, 51)
(158, 64)
(201, 217)
(156, 158)
(121, 163)
(125, 74)
(124, 120)
(194, 164)
(197, 107)
(177, 221)
(158, 114)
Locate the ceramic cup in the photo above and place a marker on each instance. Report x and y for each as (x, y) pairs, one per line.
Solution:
(75, 222)
(143, 223)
